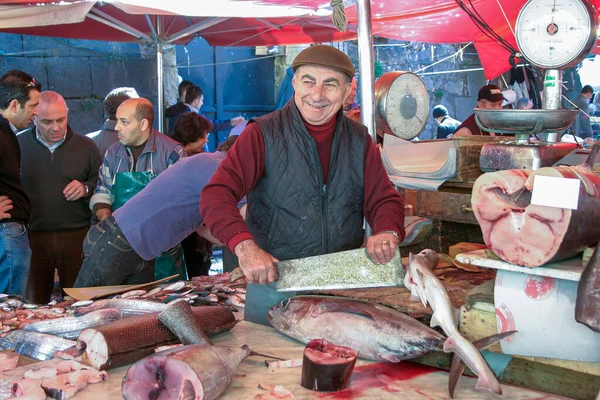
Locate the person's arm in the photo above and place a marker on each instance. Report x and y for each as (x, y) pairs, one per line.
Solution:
(237, 174)
(102, 199)
(383, 207)
(464, 131)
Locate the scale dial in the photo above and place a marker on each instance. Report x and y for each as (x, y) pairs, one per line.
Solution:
(401, 104)
(556, 33)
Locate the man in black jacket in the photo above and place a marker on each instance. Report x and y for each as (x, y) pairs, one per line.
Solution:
(19, 97)
(59, 170)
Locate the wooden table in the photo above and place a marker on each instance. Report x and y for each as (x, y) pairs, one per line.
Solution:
(369, 381)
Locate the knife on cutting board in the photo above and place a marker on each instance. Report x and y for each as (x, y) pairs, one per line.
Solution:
(350, 269)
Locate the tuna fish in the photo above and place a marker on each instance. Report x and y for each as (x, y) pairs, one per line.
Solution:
(427, 287)
(38, 346)
(71, 327)
(377, 332)
(197, 371)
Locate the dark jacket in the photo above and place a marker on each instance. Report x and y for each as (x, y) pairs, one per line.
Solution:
(10, 174)
(46, 174)
(292, 213)
(105, 137)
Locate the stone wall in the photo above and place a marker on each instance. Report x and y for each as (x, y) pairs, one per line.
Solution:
(84, 71)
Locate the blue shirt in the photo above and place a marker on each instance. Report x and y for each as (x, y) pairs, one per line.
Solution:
(167, 210)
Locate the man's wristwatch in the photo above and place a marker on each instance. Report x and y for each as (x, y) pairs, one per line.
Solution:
(393, 233)
(87, 190)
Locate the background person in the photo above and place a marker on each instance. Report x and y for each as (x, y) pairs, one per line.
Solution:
(446, 125)
(489, 98)
(19, 98)
(108, 135)
(59, 169)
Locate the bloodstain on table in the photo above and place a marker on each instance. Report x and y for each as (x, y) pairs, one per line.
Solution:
(380, 375)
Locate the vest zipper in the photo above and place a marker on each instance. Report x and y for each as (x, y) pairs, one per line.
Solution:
(324, 215)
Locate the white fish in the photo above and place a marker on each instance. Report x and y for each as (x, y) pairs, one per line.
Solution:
(133, 293)
(175, 286)
(424, 285)
(82, 303)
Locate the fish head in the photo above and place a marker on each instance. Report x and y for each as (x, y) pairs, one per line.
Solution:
(418, 266)
(289, 313)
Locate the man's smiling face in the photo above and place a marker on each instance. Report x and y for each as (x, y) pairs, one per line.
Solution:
(319, 92)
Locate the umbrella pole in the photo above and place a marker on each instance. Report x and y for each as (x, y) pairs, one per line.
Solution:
(365, 69)
(365, 63)
(159, 75)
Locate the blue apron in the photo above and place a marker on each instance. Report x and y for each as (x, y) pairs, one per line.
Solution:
(125, 186)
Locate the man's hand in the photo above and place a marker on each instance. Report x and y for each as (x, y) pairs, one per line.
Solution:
(236, 120)
(382, 247)
(103, 213)
(257, 264)
(75, 190)
(5, 206)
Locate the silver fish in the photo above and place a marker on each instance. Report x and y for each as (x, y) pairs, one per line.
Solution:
(426, 286)
(377, 332)
(71, 327)
(175, 286)
(128, 307)
(82, 303)
(39, 346)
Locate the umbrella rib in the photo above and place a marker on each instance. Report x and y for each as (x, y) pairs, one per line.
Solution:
(156, 39)
(195, 28)
(106, 19)
(268, 23)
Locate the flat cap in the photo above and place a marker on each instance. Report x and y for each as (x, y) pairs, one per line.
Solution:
(324, 56)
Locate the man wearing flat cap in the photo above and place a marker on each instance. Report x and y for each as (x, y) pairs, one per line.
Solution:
(310, 175)
(489, 97)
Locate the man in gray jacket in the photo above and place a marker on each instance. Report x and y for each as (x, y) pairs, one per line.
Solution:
(140, 149)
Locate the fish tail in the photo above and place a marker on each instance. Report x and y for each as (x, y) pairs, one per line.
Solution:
(486, 380)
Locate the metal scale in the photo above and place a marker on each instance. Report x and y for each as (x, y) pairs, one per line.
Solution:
(552, 35)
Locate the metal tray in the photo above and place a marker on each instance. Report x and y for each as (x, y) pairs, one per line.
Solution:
(526, 120)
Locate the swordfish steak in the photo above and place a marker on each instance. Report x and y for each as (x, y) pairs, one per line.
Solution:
(532, 235)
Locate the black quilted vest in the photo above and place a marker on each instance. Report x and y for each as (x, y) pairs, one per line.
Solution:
(292, 213)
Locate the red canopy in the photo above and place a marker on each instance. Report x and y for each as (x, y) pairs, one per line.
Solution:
(265, 22)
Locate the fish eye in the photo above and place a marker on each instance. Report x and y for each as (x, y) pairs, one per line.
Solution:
(284, 303)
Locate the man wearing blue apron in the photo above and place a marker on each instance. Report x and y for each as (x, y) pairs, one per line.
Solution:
(141, 154)
(152, 221)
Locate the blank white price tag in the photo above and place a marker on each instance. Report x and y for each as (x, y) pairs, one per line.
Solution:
(555, 192)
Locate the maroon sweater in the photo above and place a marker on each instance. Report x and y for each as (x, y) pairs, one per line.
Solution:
(244, 166)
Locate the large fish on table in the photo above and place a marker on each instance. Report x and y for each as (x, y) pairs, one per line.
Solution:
(532, 235)
(377, 332)
(190, 372)
(128, 340)
(38, 346)
(426, 286)
(71, 327)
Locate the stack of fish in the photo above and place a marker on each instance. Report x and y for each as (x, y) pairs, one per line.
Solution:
(101, 334)
(16, 314)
